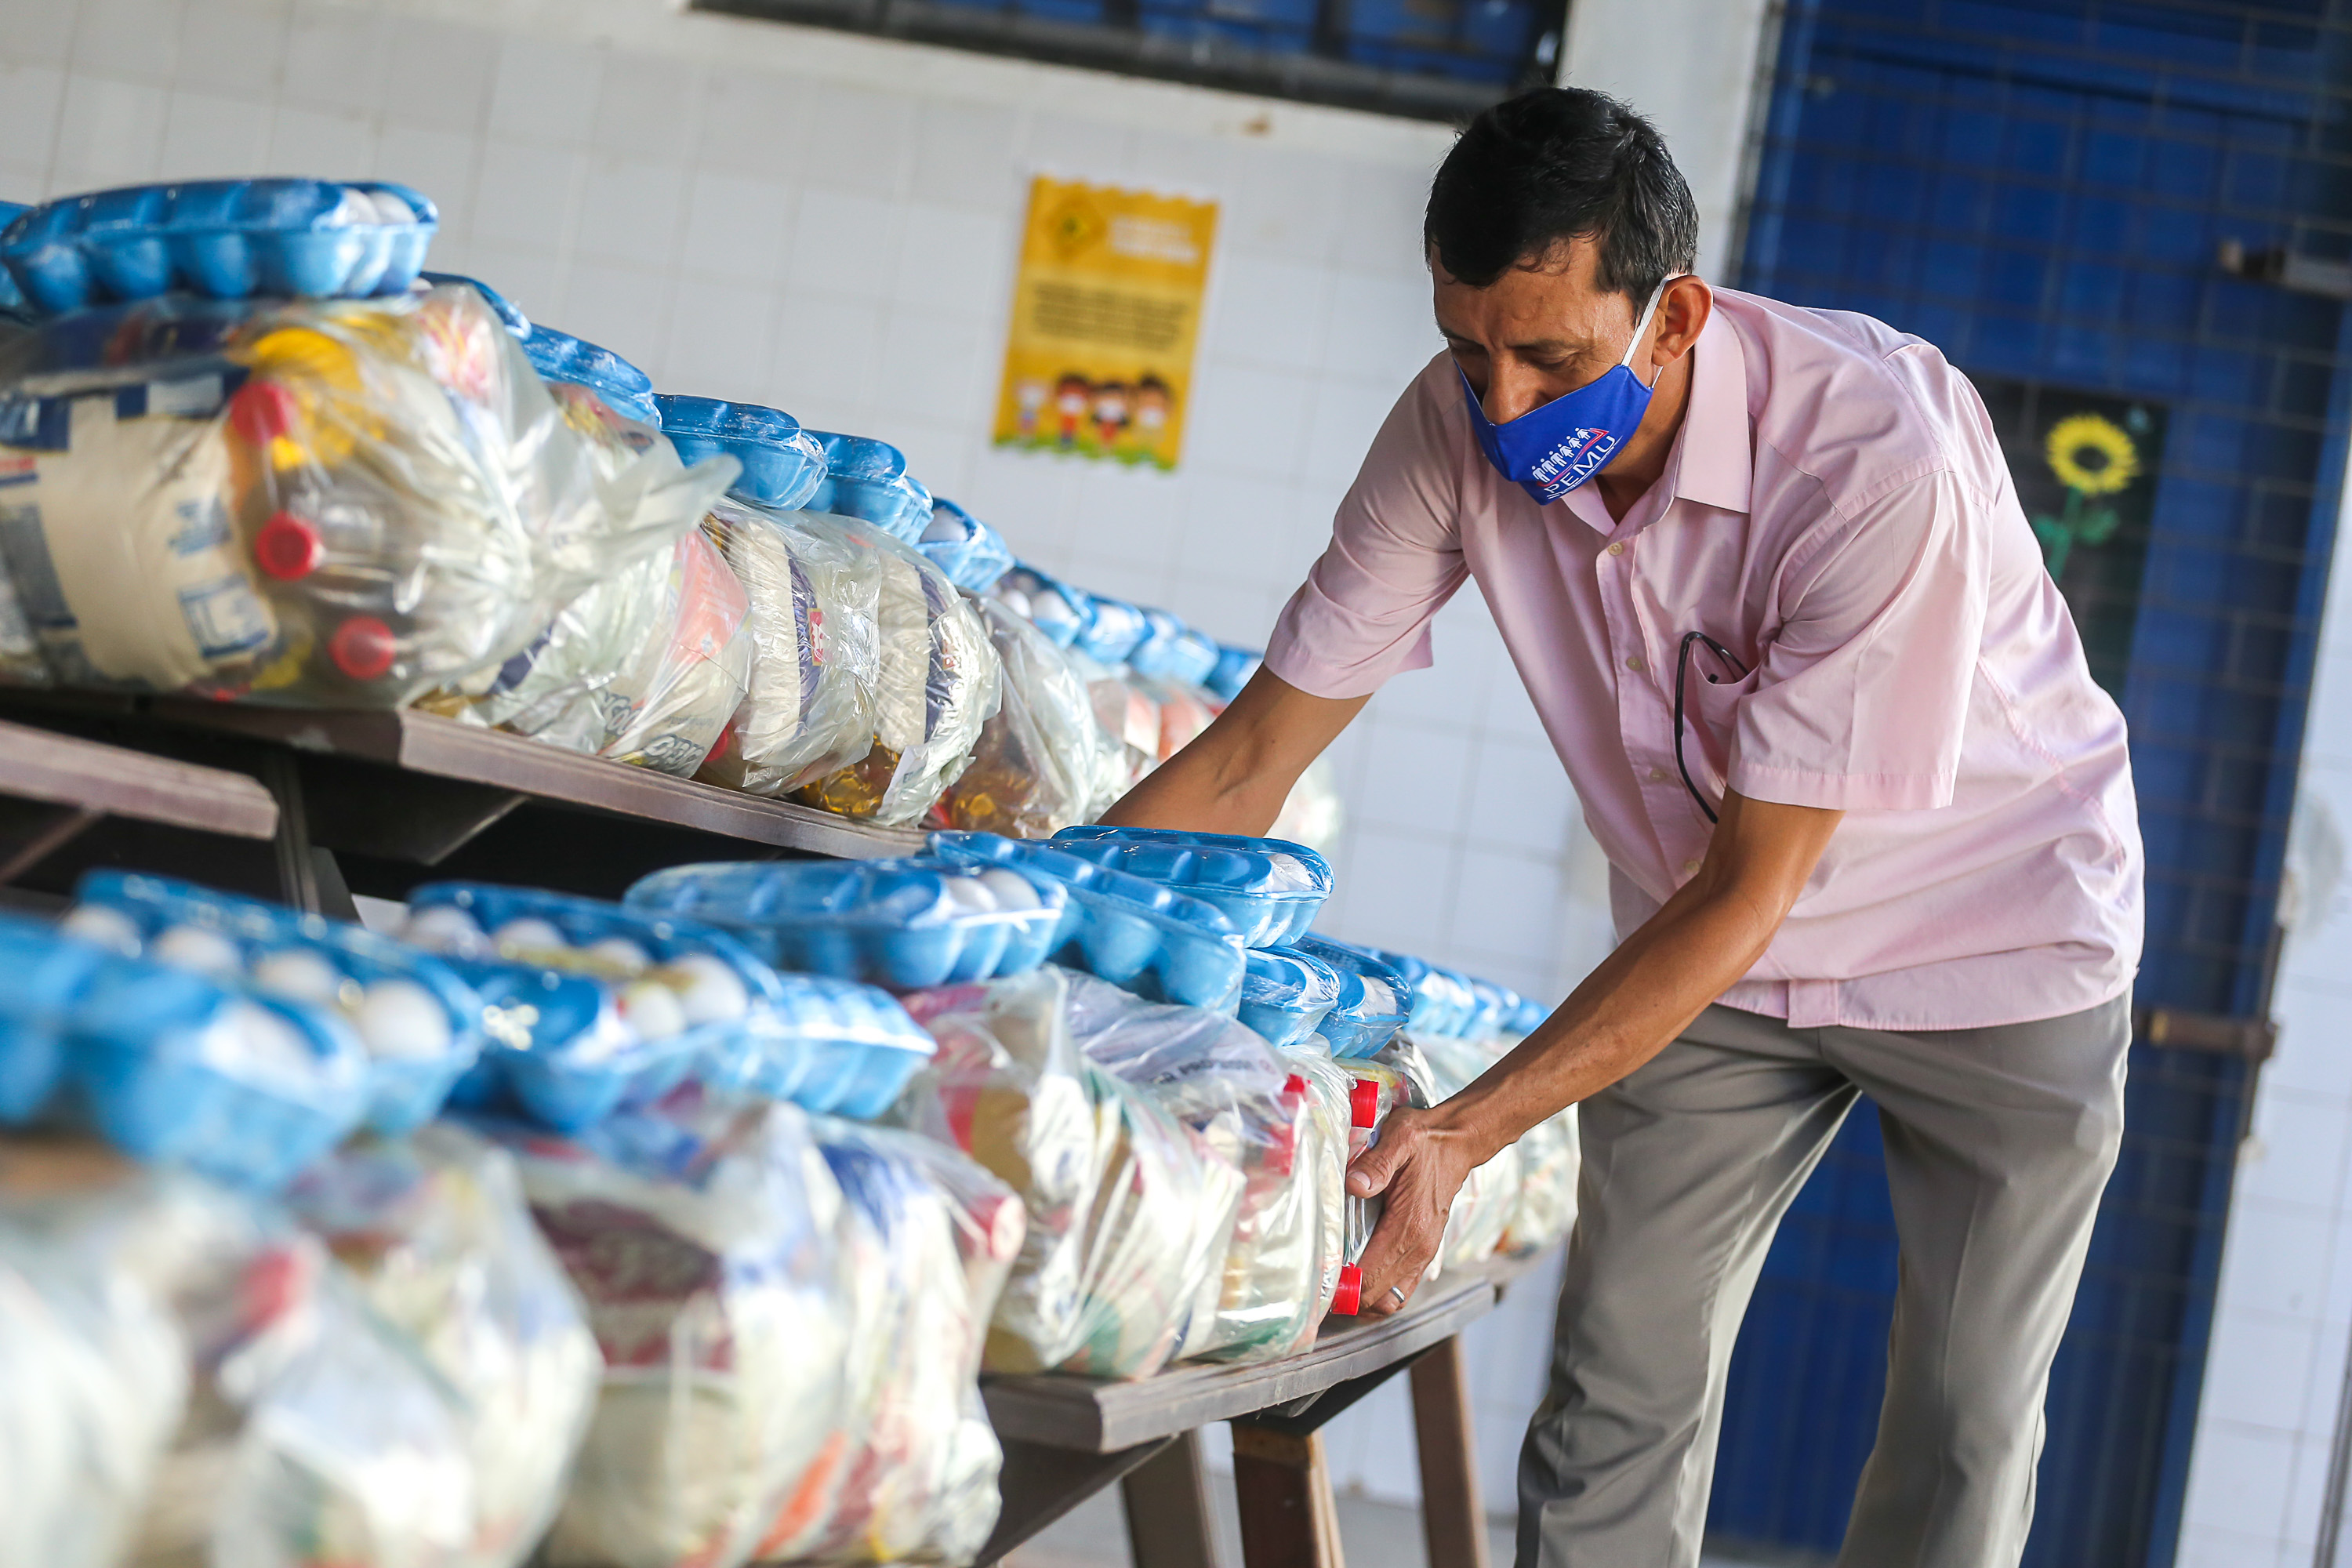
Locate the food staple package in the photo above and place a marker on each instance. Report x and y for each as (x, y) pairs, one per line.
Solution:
(817, 656)
(434, 1230)
(342, 502)
(1358, 1095)
(1227, 1084)
(1039, 762)
(422, 1026)
(1341, 1109)
(1184, 711)
(1544, 1211)
(925, 1239)
(939, 682)
(1129, 1211)
(301, 1428)
(702, 1237)
(1483, 1209)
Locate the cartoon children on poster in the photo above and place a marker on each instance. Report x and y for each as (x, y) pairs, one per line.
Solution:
(1107, 418)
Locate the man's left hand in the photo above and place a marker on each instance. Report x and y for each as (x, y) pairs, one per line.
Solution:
(1419, 1164)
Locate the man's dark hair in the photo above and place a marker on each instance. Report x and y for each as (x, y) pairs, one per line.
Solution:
(1555, 165)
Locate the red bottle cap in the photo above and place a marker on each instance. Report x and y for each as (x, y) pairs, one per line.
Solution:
(288, 547)
(362, 647)
(262, 410)
(1294, 1087)
(1364, 1104)
(1348, 1299)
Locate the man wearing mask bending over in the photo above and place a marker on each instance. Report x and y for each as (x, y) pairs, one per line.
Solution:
(1869, 822)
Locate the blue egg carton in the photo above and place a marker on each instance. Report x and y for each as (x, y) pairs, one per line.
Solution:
(1270, 889)
(867, 479)
(558, 1051)
(972, 554)
(11, 299)
(1447, 1002)
(1162, 944)
(908, 924)
(576, 362)
(1374, 999)
(1528, 1017)
(857, 1048)
(1110, 629)
(783, 465)
(225, 239)
(1233, 670)
(508, 313)
(1171, 650)
(1052, 605)
(403, 1091)
(1286, 995)
(165, 1065)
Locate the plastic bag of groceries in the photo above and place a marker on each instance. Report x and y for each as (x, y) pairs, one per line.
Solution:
(940, 683)
(1482, 1210)
(1544, 1210)
(1184, 711)
(1129, 1212)
(340, 502)
(1127, 720)
(1223, 1081)
(1310, 814)
(701, 1237)
(1336, 1104)
(435, 1229)
(927, 1237)
(304, 1428)
(1038, 764)
(815, 664)
(650, 655)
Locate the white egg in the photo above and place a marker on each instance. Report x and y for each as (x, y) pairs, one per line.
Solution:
(707, 991)
(106, 926)
(652, 1011)
(298, 974)
(264, 1044)
(443, 928)
(971, 896)
(1013, 891)
(621, 954)
(401, 1019)
(529, 933)
(199, 950)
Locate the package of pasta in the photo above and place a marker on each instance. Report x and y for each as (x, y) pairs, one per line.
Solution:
(340, 502)
(925, 1239)
(1223, 1082)
(434, 1230)
(808, 709)
(702, 1237)
(939, 682)
(1129, 1210)
(1036, 768)
(298, 1427)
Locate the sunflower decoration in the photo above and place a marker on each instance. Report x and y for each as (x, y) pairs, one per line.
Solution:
(2093, 457)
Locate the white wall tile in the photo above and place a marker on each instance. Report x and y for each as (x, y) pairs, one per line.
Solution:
(525, 194)
(2240, 1484)
(546, 89)
(1401, 892)
(844, 244)
(109, 133)
(956, 261)
(826, 347)
(235, 47)
(625, 308)
(648, 108)
(1416, 776)
(967, 155)
(711, 325)
(2279, 1257)
(1272, 312)
(441, 75)
(1348, 413)
(738, 227)
(337, 59)
(930, 366)
(1381, 328)
(1248, 418)
(440, 163)
(1287, 203)
(336, 146)
(208, 136)
(858, 140)
(31, 97)
(1072, 149)
(137, 40)
(751, 125)
(1519, 796)
(36, 32)
(631, 210)
(2258, 1368)
(2297, 1155)
(1379, 225)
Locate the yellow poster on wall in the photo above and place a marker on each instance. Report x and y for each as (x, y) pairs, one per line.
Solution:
(1106, 313)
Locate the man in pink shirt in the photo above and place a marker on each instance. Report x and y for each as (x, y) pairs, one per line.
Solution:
(1870, 825)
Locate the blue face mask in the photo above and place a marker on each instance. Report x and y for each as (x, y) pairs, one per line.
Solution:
(1549, 451)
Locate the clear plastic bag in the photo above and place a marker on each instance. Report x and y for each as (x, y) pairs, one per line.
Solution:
(1184, 711)
(1037, 767)
(1482, 1210)
(1128, 1211)
(939, 683)
(671, 704)
(1220, 1078)
(1333, 1103)
(436, 1231)
(1544, 1211)
(341, 502)
(1130, 723)
(816, 653)
(927, 1238)
(702, 1237)
(1311, 813)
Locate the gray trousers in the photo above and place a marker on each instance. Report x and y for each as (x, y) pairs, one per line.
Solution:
(1997, 1143)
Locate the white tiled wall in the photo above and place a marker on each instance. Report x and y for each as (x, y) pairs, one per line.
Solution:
(827, 224)
(2275, 1375)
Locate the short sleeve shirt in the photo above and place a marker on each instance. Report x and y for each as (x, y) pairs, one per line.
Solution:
(1836, 514)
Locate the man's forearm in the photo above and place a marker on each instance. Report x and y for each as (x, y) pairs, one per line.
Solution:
(1236, 773)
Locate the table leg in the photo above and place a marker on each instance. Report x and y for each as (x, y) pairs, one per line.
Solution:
(1285, 1491)
(1169, 1524)
(1453, 1514)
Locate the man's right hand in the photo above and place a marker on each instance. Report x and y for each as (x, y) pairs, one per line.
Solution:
(1236, 773)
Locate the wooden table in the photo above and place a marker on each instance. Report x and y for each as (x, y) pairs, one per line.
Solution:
(377, 802)
(1067, 1438)
(55, 788)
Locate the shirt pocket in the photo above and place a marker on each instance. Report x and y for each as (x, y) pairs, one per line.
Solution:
(1710, 716)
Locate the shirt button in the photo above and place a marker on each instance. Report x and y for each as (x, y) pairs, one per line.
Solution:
(1658, 775)
(1690, 867)
(1634, 663)
(1618, 548)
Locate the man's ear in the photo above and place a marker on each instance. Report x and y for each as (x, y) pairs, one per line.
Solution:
(1682, 316)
